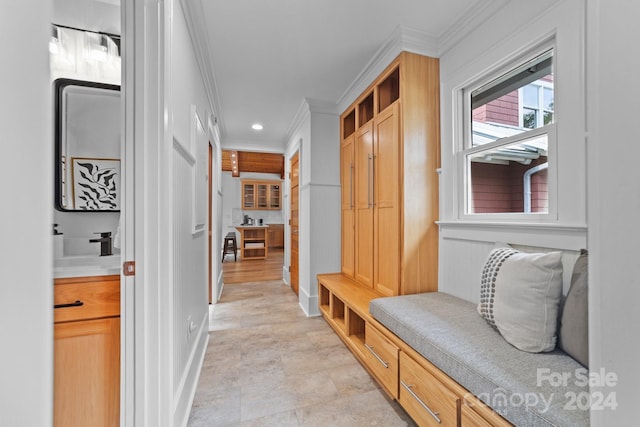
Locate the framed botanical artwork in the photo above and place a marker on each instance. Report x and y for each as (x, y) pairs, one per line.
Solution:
(96, 184)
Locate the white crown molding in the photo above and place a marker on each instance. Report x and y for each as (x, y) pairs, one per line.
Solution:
(321, 106)
(303, 113)
(468, 22)
(194, 14)
(401, 39)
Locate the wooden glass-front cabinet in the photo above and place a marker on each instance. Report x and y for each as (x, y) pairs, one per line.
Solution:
(261, 195)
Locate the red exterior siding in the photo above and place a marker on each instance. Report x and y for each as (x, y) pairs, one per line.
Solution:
(499, 188)
(503, 110)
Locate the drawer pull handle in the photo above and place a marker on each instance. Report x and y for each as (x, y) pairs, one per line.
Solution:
(78, 303)
(370, 348)
(424, 405)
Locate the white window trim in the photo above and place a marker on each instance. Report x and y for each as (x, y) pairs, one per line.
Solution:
(463, 163)
(463, 146)
(540, 108)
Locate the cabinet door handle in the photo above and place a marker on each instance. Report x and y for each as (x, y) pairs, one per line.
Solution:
(424, 405)
(351, 186)
(373, 181)
(369, 174)
(78, 303)
(370, 348)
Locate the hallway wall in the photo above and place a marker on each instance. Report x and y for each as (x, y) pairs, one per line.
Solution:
(189, 291)
(316, 130)
(26, 291)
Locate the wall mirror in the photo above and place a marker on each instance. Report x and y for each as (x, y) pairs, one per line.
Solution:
(87, 146)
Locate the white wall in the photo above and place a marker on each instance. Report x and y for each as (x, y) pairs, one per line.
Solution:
(598, 177)
(26, 291)
(317, 135)
(162, 85)
(614, 202)
(93, 15)
(498, 39)
(190, 261)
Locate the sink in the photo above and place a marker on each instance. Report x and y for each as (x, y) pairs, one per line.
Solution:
(86, 265)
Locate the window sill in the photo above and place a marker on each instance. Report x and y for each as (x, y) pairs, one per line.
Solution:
(562, 236)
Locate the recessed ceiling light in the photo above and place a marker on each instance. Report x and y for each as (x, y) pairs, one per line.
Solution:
(256, 126)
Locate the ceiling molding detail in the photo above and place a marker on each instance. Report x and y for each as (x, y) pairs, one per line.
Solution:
(303, 113)
(468, 22)
(194, 14)
(322, 107)
(402, 38)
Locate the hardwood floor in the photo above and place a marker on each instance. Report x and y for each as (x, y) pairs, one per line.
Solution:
(254, 270)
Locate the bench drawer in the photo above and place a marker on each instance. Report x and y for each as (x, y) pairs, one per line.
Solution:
(425, 398)
(475, 413)
(381, 356)
(471, 419)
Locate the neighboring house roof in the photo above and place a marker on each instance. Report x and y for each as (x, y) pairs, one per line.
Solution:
(522, 151)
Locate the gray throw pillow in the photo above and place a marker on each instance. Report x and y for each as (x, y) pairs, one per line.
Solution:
(574, 322)
(520, 296)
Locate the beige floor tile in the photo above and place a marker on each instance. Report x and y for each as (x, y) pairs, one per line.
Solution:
(267, 398)
(283, 419)
(267, 364)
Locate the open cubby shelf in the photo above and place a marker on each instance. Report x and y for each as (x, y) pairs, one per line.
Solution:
(389, 90)
(338, 312)
(349, 124)
(365, 110)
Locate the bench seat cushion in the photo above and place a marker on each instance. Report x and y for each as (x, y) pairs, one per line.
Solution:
(525, 388)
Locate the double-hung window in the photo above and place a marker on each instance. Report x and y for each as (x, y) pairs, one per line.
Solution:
(509, 135)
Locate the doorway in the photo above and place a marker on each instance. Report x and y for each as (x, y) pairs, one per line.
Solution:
(295, 220)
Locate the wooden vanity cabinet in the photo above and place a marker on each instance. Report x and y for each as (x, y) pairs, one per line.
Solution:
(87, 351)
(389, 161)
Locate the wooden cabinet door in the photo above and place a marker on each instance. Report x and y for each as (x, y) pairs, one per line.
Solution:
(364, 204)
(347, 184)
(262, 198)
(386, 217)
(87, 373)
(248, 196)
(294, 270)
(274, 196)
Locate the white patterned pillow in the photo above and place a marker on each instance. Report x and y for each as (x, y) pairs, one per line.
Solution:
(520, 297)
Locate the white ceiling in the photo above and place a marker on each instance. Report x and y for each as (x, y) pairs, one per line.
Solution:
(266, 57)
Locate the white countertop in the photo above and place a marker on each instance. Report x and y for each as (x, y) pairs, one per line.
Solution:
(86, 266)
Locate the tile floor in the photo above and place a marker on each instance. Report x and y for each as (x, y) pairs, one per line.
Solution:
(269, 365)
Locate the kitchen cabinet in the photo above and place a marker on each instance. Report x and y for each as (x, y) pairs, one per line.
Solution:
(389, 162)
(276, 235)
(254, 242)
(87, 351)
(261, 195)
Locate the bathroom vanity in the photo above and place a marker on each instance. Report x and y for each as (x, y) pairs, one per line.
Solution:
(86, 346)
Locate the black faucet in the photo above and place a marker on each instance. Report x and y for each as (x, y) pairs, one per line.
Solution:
(105, 241)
